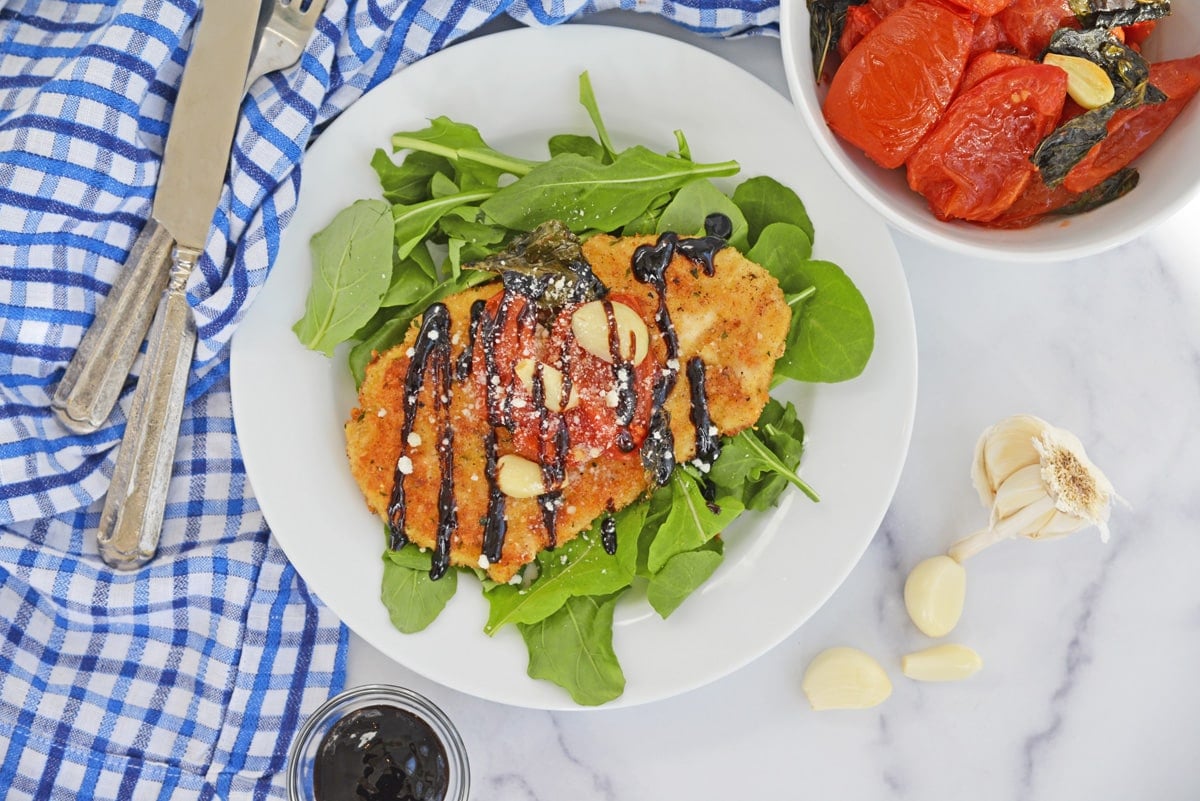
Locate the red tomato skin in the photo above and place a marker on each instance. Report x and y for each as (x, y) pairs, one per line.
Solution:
(1135, 35)
(984, 7)
(988, 35)
(883, 8)
(985, 65)
(975, 163)
(1028, 24)
(860, 20)
(1132, 131)
(893, 87)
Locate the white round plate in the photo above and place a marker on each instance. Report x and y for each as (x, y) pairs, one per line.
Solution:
(519, 88)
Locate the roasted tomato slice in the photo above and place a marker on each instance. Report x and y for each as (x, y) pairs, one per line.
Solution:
(989, 35)
(860, 20)
(1029, 24)
(975, 163)
(1131, 131)
(984, 7)
(895, 84)
(985, 65)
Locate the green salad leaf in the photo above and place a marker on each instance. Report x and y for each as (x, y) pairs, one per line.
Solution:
(414, 600)
(352, 259)
(682, 575)
(573, 648)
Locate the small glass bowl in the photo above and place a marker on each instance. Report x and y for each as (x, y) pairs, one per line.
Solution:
(303, 755)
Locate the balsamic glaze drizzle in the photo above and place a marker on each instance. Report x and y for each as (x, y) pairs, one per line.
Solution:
(432, 349)
(432, 353)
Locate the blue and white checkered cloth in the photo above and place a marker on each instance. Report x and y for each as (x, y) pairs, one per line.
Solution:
(186, 679)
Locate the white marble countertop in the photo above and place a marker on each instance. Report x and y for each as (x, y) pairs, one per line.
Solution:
(1088, 689)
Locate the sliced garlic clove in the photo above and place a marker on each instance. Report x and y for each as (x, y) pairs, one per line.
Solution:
(934, 593)
(517, 477)
(552, 384)
(845, 678)
(590, 325)
(1003, 449)
(949, 662)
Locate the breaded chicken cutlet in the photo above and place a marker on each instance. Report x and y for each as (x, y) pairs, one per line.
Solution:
(516, 413)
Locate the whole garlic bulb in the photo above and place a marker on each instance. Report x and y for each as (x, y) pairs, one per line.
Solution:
(1038, 483)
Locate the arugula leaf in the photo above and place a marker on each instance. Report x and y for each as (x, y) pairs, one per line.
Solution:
(757, 464)
(764, 201)
(573, 648)
(352, 265)
(414, 600)
(408, 182)
(587, 98)
(587, 194)
(693, 202)
(414, 222)
(682, 575)
(691, 522)
(574, 143)
(579, 567)
(412, 279)
(477, 166)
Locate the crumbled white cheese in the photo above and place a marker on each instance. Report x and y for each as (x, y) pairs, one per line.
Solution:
(483, 561)
(404, 465)
(381, 413)
(414, 439)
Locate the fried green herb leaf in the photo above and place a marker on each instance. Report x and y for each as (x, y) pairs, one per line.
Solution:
(352, 265)
(827, 18)
(573, 648)
(1059, 152)
(414, 600)
(1108, 190)
(1113, 13)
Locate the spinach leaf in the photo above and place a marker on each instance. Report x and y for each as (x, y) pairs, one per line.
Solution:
(573, 648)
(579, 567)
(832, 334)
(764, 201)
(692, 203)
(691, 522)
(352, 266)
(682, 575)
(586, 194)
(757, 464)
(414, 600)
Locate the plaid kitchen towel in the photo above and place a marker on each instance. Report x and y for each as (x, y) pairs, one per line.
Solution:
(188, 678)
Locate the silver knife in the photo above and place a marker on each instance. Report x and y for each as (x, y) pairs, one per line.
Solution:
(193, 171)
(92, 382)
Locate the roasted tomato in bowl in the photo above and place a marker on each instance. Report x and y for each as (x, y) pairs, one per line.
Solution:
(992, 126)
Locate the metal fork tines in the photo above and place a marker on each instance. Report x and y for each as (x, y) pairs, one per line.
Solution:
(283, 39)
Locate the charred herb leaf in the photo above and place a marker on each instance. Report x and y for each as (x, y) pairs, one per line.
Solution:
(547, 266)
(1112, 13)
(1106, 191)
(827, 18)
(1059, 152)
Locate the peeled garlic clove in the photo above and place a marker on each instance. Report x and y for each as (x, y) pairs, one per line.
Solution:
(1087, 82)
(934, 593)
(845, 678)
(1002, 450)
(517, 477)
(552, 384)
(591, 326)
(949, 662)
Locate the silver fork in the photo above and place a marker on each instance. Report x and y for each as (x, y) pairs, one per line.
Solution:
(88, 390)
(283, 39)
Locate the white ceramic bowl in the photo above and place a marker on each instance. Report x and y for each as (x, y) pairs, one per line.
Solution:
(1170, 169)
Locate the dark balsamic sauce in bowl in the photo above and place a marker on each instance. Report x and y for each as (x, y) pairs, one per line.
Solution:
(381, 753)
(378, 743)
